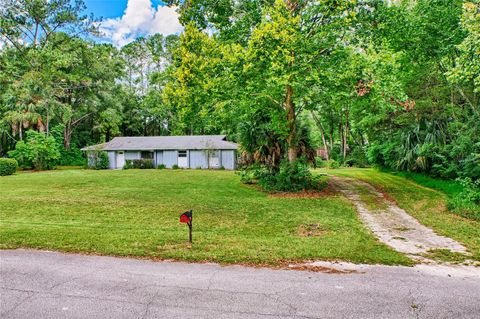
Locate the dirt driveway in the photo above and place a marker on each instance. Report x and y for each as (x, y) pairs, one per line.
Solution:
(391, 224)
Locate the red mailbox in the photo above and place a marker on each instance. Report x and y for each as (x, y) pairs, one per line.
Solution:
(187, 218)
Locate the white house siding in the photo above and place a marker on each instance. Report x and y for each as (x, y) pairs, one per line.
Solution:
(170, 158)
(198, 158)
(158, 158)
(227, 159)
(112, 159)
(129, 155)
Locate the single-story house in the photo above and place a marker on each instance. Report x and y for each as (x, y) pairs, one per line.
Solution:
(196, 151)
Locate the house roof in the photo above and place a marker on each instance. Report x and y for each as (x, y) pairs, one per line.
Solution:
(147, 143)
(94, 147)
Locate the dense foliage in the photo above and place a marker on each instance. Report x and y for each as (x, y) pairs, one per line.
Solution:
(8, 166)
(289, 177)
(98, 159)
(292, 177)
(37, 151)
(467, 202)
(387, 83)
(139, 163)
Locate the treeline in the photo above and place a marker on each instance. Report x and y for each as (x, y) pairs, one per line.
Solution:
(388, 83)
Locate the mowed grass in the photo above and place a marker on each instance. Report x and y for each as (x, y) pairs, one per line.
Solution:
(136, 213)
(428, 205)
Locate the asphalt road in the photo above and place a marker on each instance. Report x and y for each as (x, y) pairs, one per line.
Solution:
(36, 284)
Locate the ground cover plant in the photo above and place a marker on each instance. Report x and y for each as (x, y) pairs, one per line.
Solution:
(8, 166)
(428, 205)
(288, 177)
(135, 213)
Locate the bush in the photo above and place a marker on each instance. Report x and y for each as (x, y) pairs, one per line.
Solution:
(383, 155)
(139, 164)
(161, 166)
(292, 177)
(470, 166)
(467, 202)
(333, 164)
(8, 166)
(128, 164)
(72, 157)
(98, 159)
(175, 166)
(251, 174)
(357, 158)
(37, 151)
(320, 163)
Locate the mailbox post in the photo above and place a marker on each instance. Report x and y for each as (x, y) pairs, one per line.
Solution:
(187, 218)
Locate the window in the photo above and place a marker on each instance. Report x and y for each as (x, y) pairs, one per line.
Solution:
(146, 155)
(182, 153)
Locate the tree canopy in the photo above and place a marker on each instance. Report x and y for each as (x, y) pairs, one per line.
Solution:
(392, 83)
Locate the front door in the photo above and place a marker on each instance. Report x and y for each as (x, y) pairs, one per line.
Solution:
(120, 159)
(213, 159)
(182, 159)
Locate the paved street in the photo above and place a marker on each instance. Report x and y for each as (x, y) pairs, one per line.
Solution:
(36, 284)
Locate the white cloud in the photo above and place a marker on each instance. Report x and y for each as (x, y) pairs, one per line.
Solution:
(141, 18)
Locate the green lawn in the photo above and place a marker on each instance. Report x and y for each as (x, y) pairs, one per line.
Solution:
(428, 205)
(135, 213)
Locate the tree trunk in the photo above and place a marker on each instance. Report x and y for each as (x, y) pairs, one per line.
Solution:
(345, 136)
(67, 135)
(331, 135)
(68, 130)
(340, 133)
(292, 127)
(322, 132)
(47, 122)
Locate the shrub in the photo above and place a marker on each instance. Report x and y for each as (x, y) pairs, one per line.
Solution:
(104, 162)
(222, 168)
(128, 164)
(98, 159)
(383, 155)
(175, 166)
(72, 157)
(8, 166)
(357, 158)
(470, 166)
(467, 202)
(292, 177)
(139, 163)
(161, 166)
(37, 151)
(320, 163)
(251, 174)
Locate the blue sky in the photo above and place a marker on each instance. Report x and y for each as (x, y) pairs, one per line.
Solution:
(125, 20)
(109, 8)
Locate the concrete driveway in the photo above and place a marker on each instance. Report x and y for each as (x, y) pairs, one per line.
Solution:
(37, 284)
